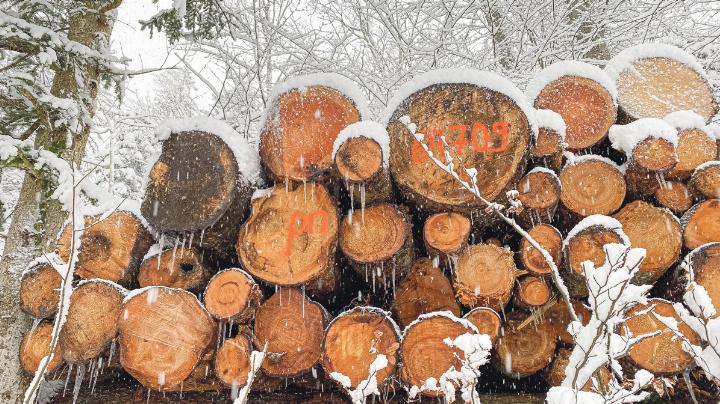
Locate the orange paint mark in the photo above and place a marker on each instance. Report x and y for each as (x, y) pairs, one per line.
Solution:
(301, 223)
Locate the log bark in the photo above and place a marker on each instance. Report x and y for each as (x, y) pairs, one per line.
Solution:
(675, 196)
(379, 244)
(359, 163)
(163, 335)
(548, 150)
(550, 239)
(586, 107)
(705, 181)
(424, 353)
(425, 289)
(531, 292)
(484, 276)
(353, 341)
(181, 268)
(658, 232)
(585, 245)
(486, 320)
(704, 262)
(301, 125)
(701, 224)
(232, 361)
(92, 320)
(232, 295)
(695, 147)
(591, 186)
(539, 194)
(445, 235)
(35, 346)
(457, 111)
(40, 291)
(662, 354)
(110, 248)
(291, 236)
(292, 326)
(656, 86)
(203, 199)
(521, 352)
(558, 318)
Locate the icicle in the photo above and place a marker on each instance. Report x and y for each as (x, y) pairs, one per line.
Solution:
(79, 373)
(70, 368)
(304, 190)
(393, 280)
(162, 244)
(362, 202)
(191, 240)
(373, 281)
(287, 185)
(352, 204)
(202, 236)
(112, 350)
(312, 190)
(303, 301)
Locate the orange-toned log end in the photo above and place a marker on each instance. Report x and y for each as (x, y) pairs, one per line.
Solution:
(658, 232)
(521, 352)
(549, 143)
(92, 320)
(484, 276)
(35, 346)
(40, 291)
(383, 236)
(446, 233)
(586, 245)
(705, 263)
(555, 374)
(163, 334)
(586, 107)
(662, 354)
(558, 317)
(232, 294)
(592, 186)
(486, 320)
(532, 292)
(300, 128)
(424, 353)
(232, 361)
(180, 268)
(423, 290)
(549, 239)
(292, 326)
(290, 236)
(705, 181)
(656, 86)
(654, 155)
(694, 148)
(358, 159)
(444, 108)
(641, 183)
(701, 224)
(110, 248)
(539, 194)
(355, 339)
(675, 196)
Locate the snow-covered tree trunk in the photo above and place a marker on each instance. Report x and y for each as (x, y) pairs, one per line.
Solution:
(37, 218)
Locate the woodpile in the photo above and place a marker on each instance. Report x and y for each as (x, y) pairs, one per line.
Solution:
(360, 230)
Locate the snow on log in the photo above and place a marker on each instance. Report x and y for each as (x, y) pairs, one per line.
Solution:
(484, 276)
(550, 239)
(232, 295)
(40, 290)
(703, 264)
(656, 79)
(163, 335)
(232, 361)
(423, 290)
(658, 232)
(539, 194)
(111, 247)
(582, 94)
(92, 320)
(486, 320)
(675, 196)
(35, 346)
(361, 153)
(304, 117)
(590, 185)
(558, 317)
(180, 268)
(485, 120)
(705, 180)
(445, 234)
(531, 292)
(550, 144)
(201, 183)
(701, 224)
(378, 243)
(292, 326)
(354, 340)
(291, 236)
(521, 352)
(585, 242)
(662, 354)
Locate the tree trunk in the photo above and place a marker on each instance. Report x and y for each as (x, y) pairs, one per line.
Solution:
(484, 276)
(232, 295)
(359, 164)
(701, 224)
(550, 239)
(675, 196)
(181, 268)
(521, 352)
(590, 186)
(40, 291)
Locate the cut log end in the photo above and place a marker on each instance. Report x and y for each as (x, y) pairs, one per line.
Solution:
(549, 143)
(675, 196)
(359, 159)
(446, 233)
(523, 352)
(35, 346)
(556, 372)
(292, 326)
(180, 268)
(40, 291)
(539, 194)
(425, 289)
(355, 339)
(532, 292)
(484, 276)
(551, 240)
(706, 181)
(558, 318)
(592, 187)
(232, 362)
(232, 295)
(654, 155)
(587, 245)
(705, 264)
(701, 224)
(486, 320)
(695, 147)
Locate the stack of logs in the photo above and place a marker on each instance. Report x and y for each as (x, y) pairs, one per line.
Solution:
(338, 261)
